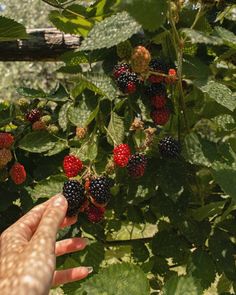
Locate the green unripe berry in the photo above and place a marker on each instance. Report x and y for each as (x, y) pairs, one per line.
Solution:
(53, 129)
(46, 119)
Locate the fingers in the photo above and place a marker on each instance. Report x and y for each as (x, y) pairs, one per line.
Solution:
(70, 245)
(71, 275)
(45, 236)
(68, 221)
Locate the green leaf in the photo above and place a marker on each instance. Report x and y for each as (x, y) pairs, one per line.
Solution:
(221, 94)
(60, 146)
(71, 22)
(201, 37)
(78, 115)
(208, 210)
(49, 187)
(88, 150)
(11, 30)
(117, 279)
(63, 116)
(194, 152)
(224, 121)
(116, 129)
(201, 267)
(228, 37)
(31, 93)
(184, 285)
(37, 142)
(225, 176)
(151, 14)
(111, 31)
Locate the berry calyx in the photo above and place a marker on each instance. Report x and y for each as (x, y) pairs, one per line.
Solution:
(121, 154)
(5, 157)
(137, 165)
(18, 173)
(127, 82)
(73, 191)
(169, 147)
(33, 115)
(119, 69)
(6, 140)
(140, 59)
(95, 214)
(72, 165)
(160, 116)
(158, 101)
(99, 190)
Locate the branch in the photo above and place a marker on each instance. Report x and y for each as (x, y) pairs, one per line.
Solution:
(43, 45)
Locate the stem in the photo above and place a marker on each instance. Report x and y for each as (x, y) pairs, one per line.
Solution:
(112, 138)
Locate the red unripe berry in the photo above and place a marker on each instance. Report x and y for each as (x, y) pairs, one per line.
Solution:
(121, 154)
(160, 116)
(171, 76)
(158, 101)
(18, 173)
(95, 214)
(6, 140)
(72, 165)
(131, 87)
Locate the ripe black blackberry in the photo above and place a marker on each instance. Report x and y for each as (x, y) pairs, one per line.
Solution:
(119, 69)
(156, 89)
(33, 115)
(127, 82)
(158, 65)
(169, 147)
(100, 190)
(137, 165)
(73, 191)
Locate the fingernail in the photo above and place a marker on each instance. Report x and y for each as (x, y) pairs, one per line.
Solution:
(59, 200)
(90, 269)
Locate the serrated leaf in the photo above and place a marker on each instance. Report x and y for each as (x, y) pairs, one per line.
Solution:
(201, 266)
(225, 176)
(31, 93)
(116, 129)
(78, 115)
(151, 14)
(184, 285)
(11, 30)
(37, 142)
(224, 121)
(208, 210)
(60, 146)
(201, 37)
(193, 150)
(63, 116)
(117, 279)
(71, 22)
(228, 37)
(88, 150)
(111, 31)
(221, 94)
(49, 187)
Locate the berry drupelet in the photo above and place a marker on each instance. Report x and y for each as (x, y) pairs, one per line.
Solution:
(137, 165)
(33, 115)
(169, 147)
(73, 191)
(121, 154)
(127, 82)
(99, 190)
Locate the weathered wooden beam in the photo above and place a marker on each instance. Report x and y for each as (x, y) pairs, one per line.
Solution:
(42, 45)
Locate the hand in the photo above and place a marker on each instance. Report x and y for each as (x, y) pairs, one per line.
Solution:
(28, 251)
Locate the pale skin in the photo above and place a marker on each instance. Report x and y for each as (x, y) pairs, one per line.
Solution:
(28, 251)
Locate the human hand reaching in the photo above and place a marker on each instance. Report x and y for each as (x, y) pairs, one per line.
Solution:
(28, 251)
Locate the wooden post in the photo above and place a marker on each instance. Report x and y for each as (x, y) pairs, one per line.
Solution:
(42, 45)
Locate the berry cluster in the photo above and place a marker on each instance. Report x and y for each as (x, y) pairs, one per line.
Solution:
(153, 74)
(136, 163)
(17, 171)
(90, 198)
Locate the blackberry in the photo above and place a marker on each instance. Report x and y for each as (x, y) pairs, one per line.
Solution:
(156, 89)
(73, 191)
(127, 82)
(169, 147)
(137, 165)
(119, 69)
(33, 115)
(157, 65)
(100, 190)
